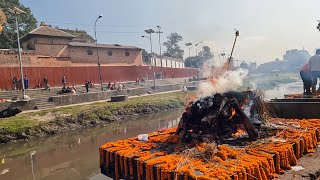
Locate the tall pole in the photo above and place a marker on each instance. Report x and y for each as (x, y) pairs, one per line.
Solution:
(99, 65)
(20, 59)
(16, 11)
(234, 43)
(154, 78)
(159, 32)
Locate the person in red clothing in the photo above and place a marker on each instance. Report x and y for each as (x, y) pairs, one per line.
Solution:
(306, 79)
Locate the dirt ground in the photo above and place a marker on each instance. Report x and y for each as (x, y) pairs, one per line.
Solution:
(311, 163)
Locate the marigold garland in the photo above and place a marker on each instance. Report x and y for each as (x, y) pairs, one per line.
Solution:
(255, 161)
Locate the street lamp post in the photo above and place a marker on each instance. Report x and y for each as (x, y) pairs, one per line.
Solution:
(150, 31)
(159, 32)
(189, 46)
(196, 45)
(16, 11)
(99, 65)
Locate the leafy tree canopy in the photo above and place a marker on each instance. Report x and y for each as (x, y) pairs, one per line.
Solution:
(27, 22)
(197, 61)
(172, 46)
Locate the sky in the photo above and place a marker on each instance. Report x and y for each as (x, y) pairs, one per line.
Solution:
(267, 27)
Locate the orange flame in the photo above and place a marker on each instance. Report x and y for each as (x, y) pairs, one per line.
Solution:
(233, 112)
(238, 133)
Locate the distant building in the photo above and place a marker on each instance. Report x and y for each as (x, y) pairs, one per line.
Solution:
(292, 61)
(47, 43)
(296, 58)
(167, 62)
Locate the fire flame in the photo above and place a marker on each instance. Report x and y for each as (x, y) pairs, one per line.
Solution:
(238, 133)
(233, 112)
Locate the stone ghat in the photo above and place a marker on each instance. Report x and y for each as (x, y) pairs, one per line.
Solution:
(164, 157)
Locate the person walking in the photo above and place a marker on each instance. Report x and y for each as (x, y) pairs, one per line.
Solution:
(14, 82)
(314, 68)
(26, 82)
(64, 80)
(87, 84)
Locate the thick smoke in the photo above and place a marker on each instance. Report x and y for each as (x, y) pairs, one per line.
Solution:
(220, 79)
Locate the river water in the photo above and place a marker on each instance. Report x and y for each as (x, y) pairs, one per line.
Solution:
(73, 155)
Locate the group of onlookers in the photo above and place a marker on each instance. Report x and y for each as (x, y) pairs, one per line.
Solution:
(17, 83)
(65, 89)
(115, 86)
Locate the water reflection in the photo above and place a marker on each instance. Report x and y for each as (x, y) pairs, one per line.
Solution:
(73, 155)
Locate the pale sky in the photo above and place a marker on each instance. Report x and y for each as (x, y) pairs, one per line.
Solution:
(267, 27)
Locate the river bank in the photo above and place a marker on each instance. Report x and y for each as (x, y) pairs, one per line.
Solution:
(59, 120)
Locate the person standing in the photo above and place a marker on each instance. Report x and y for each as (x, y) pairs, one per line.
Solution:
(64, 80)
(87, 84)
(314, 68)
(14, 82)
(306, 79)
(46, 83)
(26, 82)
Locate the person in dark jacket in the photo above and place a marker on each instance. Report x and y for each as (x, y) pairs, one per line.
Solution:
(306, 79)
(26, 82)
(87, 84)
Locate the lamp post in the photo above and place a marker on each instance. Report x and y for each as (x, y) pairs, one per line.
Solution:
(16, 11)
(189, 44)
(159, 32)
(150, 31)
(99, 65)
(196, 45)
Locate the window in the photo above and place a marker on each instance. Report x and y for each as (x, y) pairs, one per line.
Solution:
(109, 53)
(89, 51)
(166, 63)
(127, 53)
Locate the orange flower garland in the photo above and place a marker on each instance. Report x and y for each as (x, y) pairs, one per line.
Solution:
(260, 160)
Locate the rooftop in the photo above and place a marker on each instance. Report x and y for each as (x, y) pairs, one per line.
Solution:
(110, 46)
(44, 30)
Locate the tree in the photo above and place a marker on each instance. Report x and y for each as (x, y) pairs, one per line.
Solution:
(27, 22)
(172, 45)
(198, 61)
(206, 53)
(146, 57)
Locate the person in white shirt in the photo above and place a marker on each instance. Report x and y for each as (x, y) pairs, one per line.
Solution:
(314, 67)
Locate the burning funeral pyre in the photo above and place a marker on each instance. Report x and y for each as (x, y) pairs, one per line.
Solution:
(220, 116)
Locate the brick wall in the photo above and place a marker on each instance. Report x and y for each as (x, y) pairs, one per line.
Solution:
(78, 75)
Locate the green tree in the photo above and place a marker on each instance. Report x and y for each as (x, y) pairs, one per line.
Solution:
(206, 53)
(198, 61)
(27, 22)
(172, 45)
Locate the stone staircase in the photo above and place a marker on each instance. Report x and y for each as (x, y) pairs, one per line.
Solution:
(42, 97)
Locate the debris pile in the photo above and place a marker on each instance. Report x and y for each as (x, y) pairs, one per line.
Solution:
(220, 116)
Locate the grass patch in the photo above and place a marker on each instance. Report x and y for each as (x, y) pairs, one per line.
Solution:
(17, 124)
(104, 111)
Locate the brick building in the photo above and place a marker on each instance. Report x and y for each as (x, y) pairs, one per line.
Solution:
(47, 46)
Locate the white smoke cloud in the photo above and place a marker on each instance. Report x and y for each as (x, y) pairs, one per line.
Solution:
(227, 81)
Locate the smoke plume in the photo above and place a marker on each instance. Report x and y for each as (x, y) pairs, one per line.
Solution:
(220, 79)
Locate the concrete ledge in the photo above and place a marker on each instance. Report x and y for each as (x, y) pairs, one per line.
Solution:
(98, 96)
(22, 105)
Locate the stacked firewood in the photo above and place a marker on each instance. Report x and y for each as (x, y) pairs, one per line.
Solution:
(219, 116)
